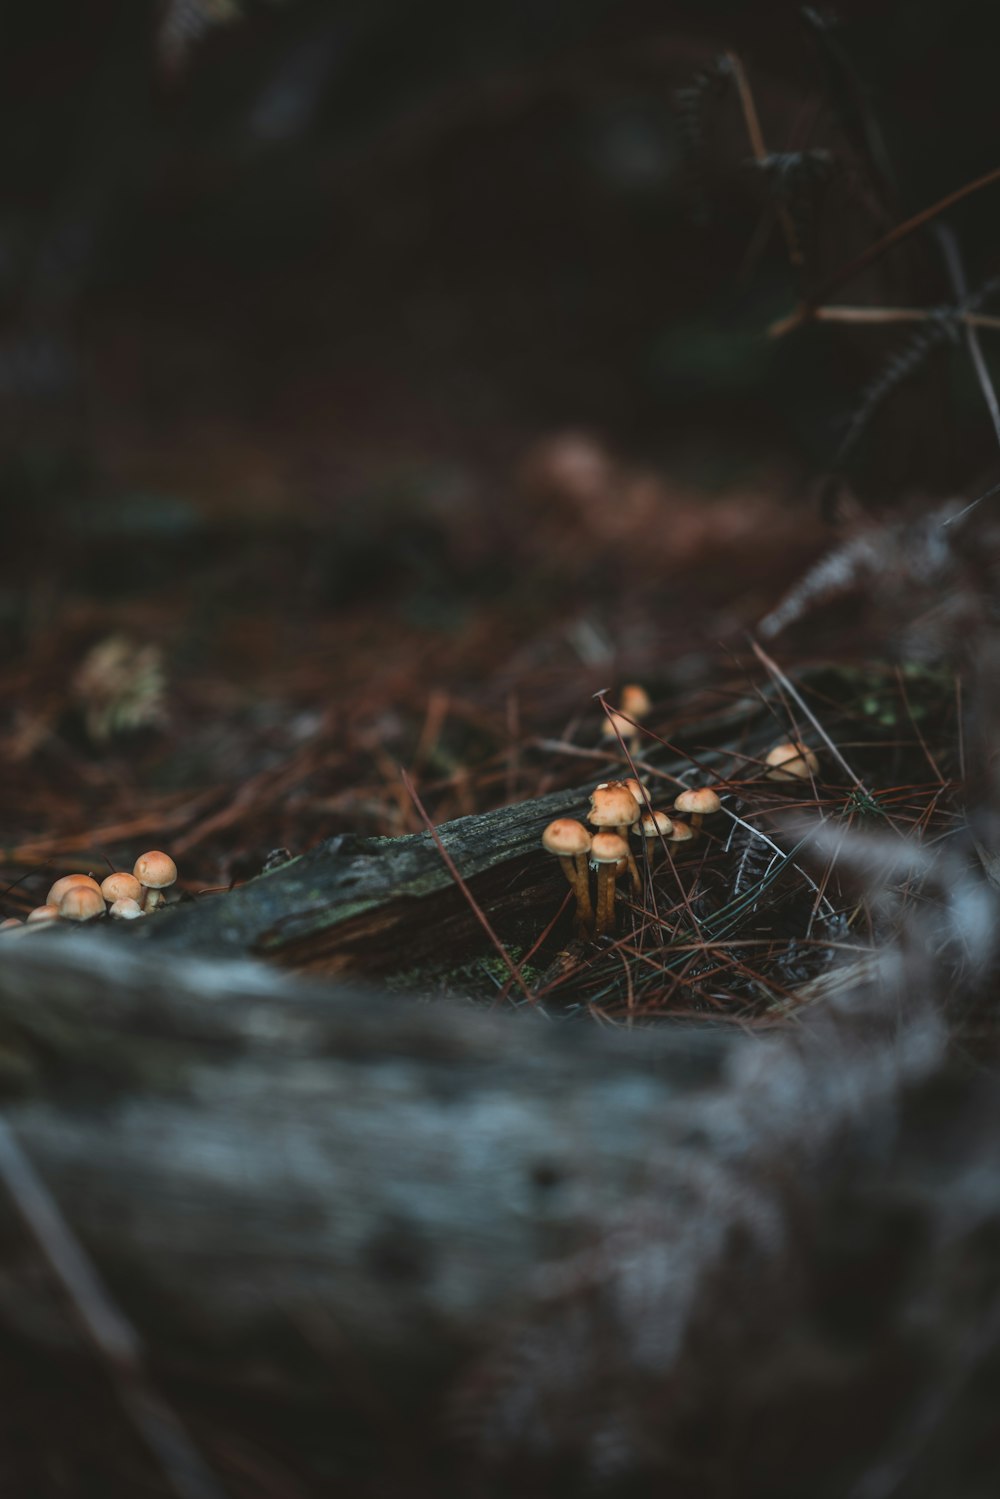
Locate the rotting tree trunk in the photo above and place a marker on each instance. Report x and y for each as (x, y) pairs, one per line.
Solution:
(331, 1218)
(386, 905)
(325, 1189)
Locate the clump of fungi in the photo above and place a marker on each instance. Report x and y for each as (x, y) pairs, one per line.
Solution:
(79, 897)
(618, 808)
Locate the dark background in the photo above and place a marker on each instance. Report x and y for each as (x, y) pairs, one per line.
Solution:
(293, 309)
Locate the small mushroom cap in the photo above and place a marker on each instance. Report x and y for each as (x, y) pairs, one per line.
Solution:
(615, 724)
(681, 833)
(66, 883)
(636, 789)
(120, 886)
(635, 700)
(613, 806)
(566, 837)
(155, 870)
(43, 913)
(790, 761)
(81, 903)
(608, 848)
(656, 825)
(702, 802)
(126, 909)
(10, 921)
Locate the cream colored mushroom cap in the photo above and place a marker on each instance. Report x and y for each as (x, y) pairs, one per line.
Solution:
(120, 886)
(67, 882)
(155, 870)
(656, 826)
(43, 913)
(81, 903)
(613, 806)
(566, 837)
(126, 909)
(701, 801)
(608, 848)
(790, 761)
(681, 833)
(635, 700)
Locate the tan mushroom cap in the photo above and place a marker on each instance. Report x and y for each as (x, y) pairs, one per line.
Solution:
(700, 801)
(566, 837)
(81, 903)
(10, 922)
(634, 700)
(655, 826)
(120, 886)
(608, 848)
(681, 834)
(156, 870)
(126, 909)
(791, 761)
(43, 913)
(612, 805)
(636, 788)
(66, 883)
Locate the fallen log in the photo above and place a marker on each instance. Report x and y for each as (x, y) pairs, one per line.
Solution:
(356, 1243)
(385, 905)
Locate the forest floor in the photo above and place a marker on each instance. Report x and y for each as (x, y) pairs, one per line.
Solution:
(237, 694)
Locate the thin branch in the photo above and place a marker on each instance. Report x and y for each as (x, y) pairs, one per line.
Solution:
(806, 309)
(842, 313)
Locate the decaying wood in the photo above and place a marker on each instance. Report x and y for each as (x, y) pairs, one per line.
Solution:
(236, 1146)
(362, 1220)
(391, 903)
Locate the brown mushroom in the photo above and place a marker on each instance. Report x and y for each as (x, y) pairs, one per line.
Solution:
(623, 722)
(791, 761)
(606, 850)
(42, 914)
(155, 871)
(698, 803)
(121, 886)
(612, 805)
(653, 825)
(66, 883)
(570, 842)
(81, 903)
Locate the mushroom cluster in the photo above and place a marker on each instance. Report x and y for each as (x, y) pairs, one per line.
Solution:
(618, 809)
(79, 897)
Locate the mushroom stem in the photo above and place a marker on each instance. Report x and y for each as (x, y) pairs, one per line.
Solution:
(605, 898)
(575, 870)
(633, 867)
